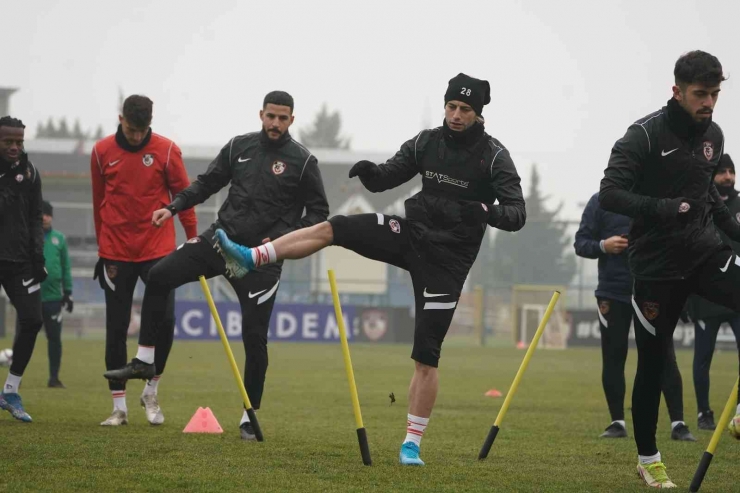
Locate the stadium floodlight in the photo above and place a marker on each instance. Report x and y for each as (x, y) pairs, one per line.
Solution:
(361, 433)
(522, 368)
(230, 355)
(706, 459)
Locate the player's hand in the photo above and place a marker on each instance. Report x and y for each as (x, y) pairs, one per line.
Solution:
(39, 273)
(684, 317)
(615, 245)
(477, 213)
(364, 169)
(160, 216)
(68, 302)
(679, 209)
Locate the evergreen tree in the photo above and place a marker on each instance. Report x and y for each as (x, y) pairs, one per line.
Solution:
(540, 253)
(63, 130)
(325, 131)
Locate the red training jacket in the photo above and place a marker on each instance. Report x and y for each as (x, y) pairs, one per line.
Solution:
(127, 188)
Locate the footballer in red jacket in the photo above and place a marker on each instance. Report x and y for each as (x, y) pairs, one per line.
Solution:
(134, 172)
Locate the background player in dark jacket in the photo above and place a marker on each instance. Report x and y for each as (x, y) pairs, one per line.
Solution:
(21, 253)
(603, 235)
(133, 172)
(464, 171)
(273, 178)
(708, 316)
(660, 174)
(56, 292)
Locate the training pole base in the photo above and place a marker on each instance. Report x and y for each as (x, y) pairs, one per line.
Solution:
(706, 459)
(255, 425)
(364, 447)
(488, 443)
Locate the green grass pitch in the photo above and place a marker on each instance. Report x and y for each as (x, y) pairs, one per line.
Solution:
(548, 441)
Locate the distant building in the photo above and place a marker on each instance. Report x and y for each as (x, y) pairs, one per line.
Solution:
(5, 93)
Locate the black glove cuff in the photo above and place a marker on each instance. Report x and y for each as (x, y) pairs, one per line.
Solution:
(172, 209)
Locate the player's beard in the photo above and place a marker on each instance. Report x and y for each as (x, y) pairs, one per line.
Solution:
(725, 190)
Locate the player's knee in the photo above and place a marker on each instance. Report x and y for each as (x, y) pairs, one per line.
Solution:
(158, 277)
(426, 358)
(339, 226)
(424, 369)
(253, 342)
(31, 323)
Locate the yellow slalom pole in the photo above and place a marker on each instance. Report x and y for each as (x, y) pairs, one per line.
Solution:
(522, 368)
(230, 355)
(361, 432)
(706, 459)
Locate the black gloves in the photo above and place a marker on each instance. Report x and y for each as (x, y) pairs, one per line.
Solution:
(68, 302)
(678, 210)
(39, 273)
(477, 213)
(684, 317)
(364, 169)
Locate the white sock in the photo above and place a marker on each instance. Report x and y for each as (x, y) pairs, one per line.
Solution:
(145, 354)
(676, 423)
(119, 400)
(245, 418)
(415, 429)
(649, 459)
(151, 386)
(264, 254)
(11, 384)
(621, 422)
(737, 411)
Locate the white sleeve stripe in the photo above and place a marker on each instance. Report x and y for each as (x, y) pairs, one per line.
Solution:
(494, 160)
(648, 137)
(231, 146)
(415, 142)
(97, 157)
(304, 166)
(166, 165)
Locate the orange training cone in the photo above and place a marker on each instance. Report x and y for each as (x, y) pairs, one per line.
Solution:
(203, 421)
(493, 393)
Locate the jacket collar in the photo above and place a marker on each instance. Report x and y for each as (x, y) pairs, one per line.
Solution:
(682, 124)
(467, 138)
(124, 144)
(266, 141)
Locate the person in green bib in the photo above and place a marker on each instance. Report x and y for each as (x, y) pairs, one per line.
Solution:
(56, 292)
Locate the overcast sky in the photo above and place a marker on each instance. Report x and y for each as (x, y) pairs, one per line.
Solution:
(567, 78)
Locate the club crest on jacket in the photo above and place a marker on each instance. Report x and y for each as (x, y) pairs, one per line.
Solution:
(148, 160)
(278, 167)
(708, 150)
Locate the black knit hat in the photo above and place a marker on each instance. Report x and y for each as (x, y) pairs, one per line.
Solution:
(47, 209)
(725, 162)
(475, 92)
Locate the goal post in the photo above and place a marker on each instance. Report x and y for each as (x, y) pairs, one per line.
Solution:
(528, 305)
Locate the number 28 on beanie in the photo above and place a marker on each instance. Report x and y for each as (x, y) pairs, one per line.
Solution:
(475, 92)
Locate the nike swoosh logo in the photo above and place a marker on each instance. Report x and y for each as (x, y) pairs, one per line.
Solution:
(664, 154)
(727, 265)
(26, 283)
(435, 295)
(252, 295)
(113, 163)
(244, 160)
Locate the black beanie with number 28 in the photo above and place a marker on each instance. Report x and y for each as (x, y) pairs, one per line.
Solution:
(475, 92)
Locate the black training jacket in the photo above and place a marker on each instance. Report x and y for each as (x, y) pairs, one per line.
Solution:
(21, 232)
(271, 184)
(667, 155)
(475, 167)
